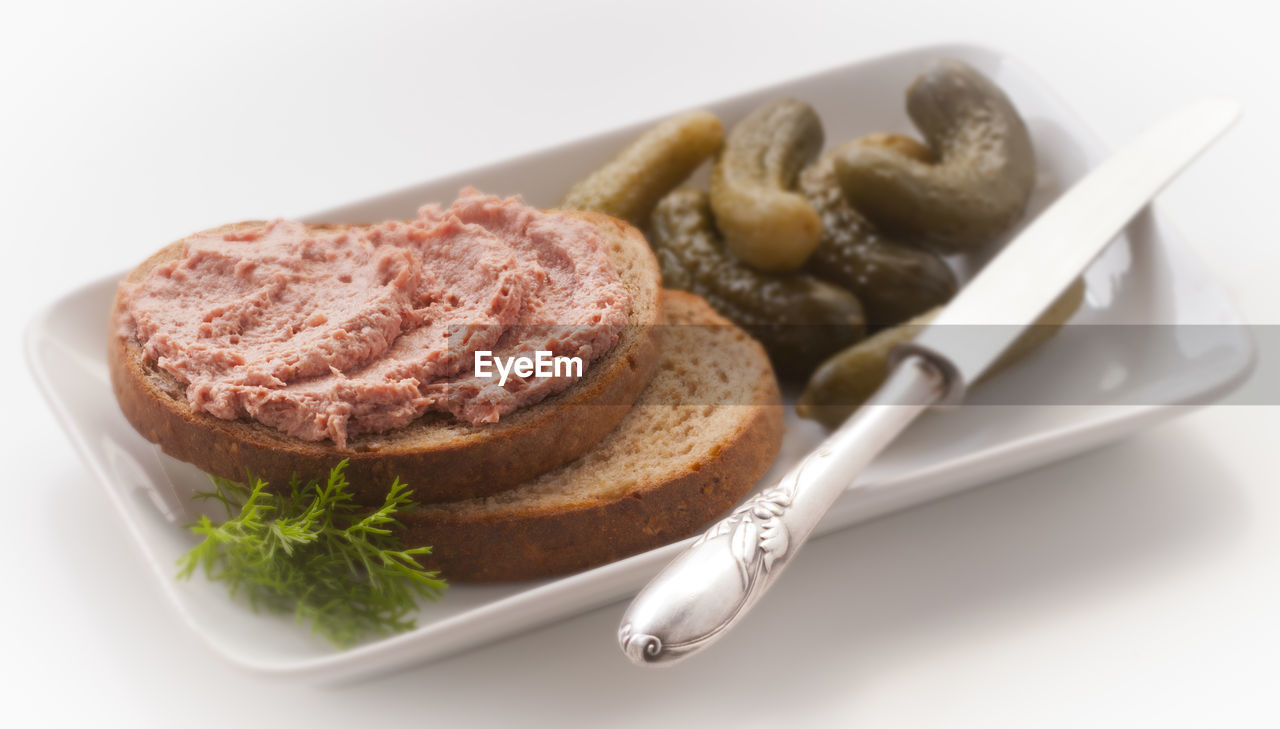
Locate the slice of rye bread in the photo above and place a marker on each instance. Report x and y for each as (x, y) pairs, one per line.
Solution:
(444, 458)
(702, 433)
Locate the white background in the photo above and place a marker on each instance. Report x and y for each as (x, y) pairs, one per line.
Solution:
(1135, 586)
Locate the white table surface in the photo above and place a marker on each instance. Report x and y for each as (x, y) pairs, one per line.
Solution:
(1138, 585)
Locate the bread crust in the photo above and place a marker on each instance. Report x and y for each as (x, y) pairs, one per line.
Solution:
(487, 545)
(442, 459)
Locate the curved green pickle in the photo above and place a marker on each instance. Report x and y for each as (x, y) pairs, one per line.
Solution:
(765, 223)
(983, 177)
(632, 183)
(799, 319)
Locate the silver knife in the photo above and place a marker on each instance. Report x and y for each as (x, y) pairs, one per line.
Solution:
(710, 586)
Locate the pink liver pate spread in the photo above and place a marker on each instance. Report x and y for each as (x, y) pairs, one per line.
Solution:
(327, 334)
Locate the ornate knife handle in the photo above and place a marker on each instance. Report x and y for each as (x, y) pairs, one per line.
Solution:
(713, 583)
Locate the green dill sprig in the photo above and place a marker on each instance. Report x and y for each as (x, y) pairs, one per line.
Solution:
(313, 552)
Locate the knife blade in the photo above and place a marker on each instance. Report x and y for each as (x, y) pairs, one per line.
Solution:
(712, 584)
(1015, 287)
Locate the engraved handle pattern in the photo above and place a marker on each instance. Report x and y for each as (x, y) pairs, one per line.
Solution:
(713, 583)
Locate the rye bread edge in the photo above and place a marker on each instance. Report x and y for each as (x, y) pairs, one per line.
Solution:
(475, 545)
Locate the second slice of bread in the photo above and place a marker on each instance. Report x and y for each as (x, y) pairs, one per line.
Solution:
(702, 433)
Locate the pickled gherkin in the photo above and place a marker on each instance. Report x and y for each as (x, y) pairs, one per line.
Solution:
(893, 281)
(799, 319)
(630, 184)
(982, 175)
(764, 222)
(842, 383)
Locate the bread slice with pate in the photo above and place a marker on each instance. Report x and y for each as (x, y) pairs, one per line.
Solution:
(705, 429)
(444, 458)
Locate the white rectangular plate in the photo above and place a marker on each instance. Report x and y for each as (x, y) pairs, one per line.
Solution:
(1146, 277)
